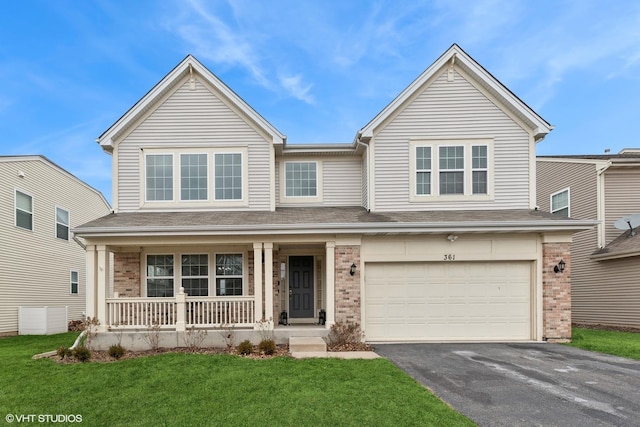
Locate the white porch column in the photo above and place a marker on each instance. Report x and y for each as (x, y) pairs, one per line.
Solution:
(181, 310)
(102, 286)
(90, 287)
(331, 283)
(257, 279)
(268, 284)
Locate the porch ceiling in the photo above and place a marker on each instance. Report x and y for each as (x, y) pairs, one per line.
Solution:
(338, 220)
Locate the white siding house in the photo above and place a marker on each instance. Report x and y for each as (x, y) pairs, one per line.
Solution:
(42, 264)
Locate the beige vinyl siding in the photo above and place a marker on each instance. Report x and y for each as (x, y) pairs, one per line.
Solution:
(365, 180)
(621, 197)
(602, 292)
(341, 181)
(446, 110)
(190, 119)
(35, 267)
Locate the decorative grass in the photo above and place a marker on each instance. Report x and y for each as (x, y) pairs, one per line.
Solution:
(624, 344)
(176, 389)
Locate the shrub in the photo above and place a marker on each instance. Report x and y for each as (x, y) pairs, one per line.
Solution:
(342, 334)
(245, 347)
(267, 347)
(64, 352)
(116, 351)
(82, 353)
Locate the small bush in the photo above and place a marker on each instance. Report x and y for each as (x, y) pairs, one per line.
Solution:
(342, 334)
(267, 347)
(245, 347)
(82, 353)
(64, 352)
(116, 351)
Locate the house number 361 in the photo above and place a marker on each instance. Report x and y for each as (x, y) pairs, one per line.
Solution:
(449, 257)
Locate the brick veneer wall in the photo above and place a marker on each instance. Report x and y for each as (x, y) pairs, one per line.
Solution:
(556, 292)
(126, 274)
(347, 287)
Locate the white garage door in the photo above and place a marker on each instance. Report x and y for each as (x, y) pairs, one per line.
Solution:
(448, 301)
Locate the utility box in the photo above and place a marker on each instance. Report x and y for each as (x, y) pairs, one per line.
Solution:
(42, 320)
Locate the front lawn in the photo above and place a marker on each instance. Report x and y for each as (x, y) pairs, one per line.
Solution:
(624, 344)
(196, 389)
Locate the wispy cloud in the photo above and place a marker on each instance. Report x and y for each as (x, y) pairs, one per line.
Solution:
(295, 86)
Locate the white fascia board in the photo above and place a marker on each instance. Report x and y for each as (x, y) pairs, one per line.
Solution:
(346, 228)
(540, 126)
(106, 139)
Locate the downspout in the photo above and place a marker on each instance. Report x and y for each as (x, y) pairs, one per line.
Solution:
(366, 147)
(600, 194)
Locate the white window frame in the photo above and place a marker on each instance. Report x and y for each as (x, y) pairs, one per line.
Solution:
(568, 207)
(435, 145)
(464, 170)
(59, 223)
(242, 168)
(479, 169)
(422, 170)
(207, 177)
(300, 199)
(177, 201)
(16, 208)
(175, 277)
(77, 282)
(182, 277)
(242, 276)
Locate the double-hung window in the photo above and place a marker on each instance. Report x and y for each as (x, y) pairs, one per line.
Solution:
(74, 281)
(160, 275)
(451, 169)
(195, 274)
(194, 177)
(62, 224)
(228, 176)
(560, 203)
(159, 177)
(229, 274)
(24, 210)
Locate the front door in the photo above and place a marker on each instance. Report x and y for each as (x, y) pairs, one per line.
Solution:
(301, 287)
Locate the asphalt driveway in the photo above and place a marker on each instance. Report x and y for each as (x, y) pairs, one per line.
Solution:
(525, 384)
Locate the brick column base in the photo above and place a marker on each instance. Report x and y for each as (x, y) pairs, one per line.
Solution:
(126, 274)
(347, 287)
(556, 292)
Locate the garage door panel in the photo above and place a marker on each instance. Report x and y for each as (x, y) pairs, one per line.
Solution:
(448, 301)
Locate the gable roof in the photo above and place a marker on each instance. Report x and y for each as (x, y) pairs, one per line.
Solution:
(455, 55)
(48, 162)
(188, 65)
(625, 245)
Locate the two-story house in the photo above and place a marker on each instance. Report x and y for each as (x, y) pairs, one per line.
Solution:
(422, 228)
(606, 267)
(41, 263)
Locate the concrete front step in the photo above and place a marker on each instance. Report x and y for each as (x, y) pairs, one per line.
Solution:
(307, 345)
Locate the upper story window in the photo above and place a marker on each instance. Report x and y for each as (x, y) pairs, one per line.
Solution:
(198, 176)
(193, 177)
(24, 210)
(228, 181)
(159, 177)
(62, 224)
(560, 203)
(301, 179)
(450, 169)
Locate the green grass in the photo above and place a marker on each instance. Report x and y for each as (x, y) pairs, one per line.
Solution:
(624, 344)
(192, 389)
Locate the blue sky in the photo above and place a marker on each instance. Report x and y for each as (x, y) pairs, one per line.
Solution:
(317, 70)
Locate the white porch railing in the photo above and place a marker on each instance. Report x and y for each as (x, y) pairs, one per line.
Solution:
(180, 312)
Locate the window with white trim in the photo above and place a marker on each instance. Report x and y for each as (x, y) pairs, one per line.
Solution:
(450, 169)
(195, 274)
(74, 281)
(229, 274)
(62, 224)
(160, 275)
(159, 177)
(423, 170)
(301, 179)
(560, 203)
(194, 177)
(24, 210)
(228, 176)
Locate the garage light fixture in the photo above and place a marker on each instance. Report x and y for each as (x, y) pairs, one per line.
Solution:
(560, 267)
(352, 271)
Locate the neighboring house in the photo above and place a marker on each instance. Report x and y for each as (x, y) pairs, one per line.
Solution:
(422, 229)
(606, 260)
(41, 263)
